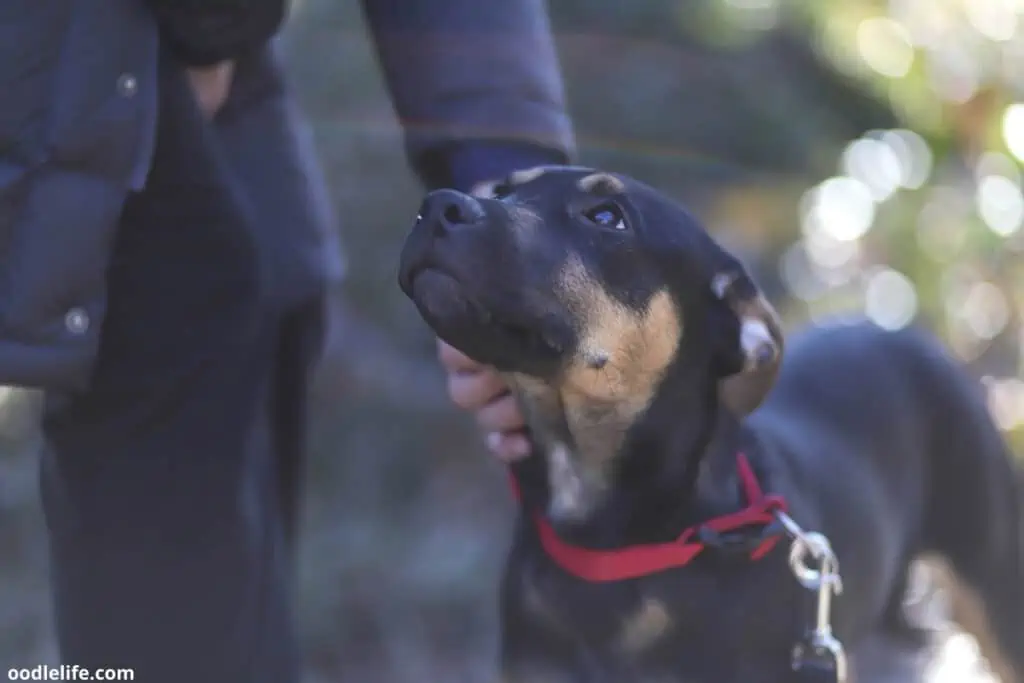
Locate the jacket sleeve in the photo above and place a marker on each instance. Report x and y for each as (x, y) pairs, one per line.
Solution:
(470, 77)
(204, 32)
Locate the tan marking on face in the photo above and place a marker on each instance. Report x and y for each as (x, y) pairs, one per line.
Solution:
(968, 610)
(601, 183)
(597, 404)
(526, 175)
(645, 627)
(635, 349)
(636, 346)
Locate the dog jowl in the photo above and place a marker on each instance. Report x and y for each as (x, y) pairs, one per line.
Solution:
(583, 287)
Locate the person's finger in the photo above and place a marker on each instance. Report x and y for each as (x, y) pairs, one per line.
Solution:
(472, 391)
(212, 85)
(501, 415)
(509, 446)
(454, 360)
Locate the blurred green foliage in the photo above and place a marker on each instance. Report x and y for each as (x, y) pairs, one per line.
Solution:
(863, 155)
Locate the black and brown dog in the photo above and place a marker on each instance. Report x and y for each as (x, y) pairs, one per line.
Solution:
(647, 364)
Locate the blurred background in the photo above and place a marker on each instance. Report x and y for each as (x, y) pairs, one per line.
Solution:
(864, 156)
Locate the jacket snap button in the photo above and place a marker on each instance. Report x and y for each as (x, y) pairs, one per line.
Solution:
(76, 321)
(127, 85)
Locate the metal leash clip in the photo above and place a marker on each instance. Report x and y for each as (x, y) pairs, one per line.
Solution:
(818, 657)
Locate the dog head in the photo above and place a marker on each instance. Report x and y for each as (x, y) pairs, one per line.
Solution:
(592, 292)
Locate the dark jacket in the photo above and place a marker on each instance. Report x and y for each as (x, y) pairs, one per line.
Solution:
(474, 82)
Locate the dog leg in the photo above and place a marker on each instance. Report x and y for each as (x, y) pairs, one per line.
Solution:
(983, 565)
(972, 515)
(975, 523)
(968, 610)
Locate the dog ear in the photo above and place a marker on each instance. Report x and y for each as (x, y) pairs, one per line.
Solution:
(755, 347)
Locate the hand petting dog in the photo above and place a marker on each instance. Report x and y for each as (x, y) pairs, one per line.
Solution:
(479, 389)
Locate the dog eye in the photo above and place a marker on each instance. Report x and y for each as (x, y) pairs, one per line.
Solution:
(501, 191)
(607, 216)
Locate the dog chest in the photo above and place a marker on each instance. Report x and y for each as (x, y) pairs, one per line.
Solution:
(704, 622)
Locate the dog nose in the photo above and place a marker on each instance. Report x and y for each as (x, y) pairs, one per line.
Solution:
(446, 210)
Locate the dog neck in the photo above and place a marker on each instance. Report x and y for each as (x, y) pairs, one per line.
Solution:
(652, 490)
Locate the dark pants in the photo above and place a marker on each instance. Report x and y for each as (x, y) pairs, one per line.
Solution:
(171, 486)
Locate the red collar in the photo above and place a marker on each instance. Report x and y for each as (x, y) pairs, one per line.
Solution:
(641, 560)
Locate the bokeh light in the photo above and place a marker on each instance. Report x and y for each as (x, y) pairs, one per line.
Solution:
(890, 299)
(996, 163)
(914, 154)
(1006, 401)
(952, 73)
(841, 207)
(885, 46)
(1000, 204)
(876, 164)
(994, 19)
(1013, 130)
(755, 15)
(985, 310)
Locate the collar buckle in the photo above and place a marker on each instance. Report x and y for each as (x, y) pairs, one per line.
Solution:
(744, 541)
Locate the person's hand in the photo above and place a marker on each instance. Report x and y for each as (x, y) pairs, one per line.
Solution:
(211, 86)
(479, 389)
